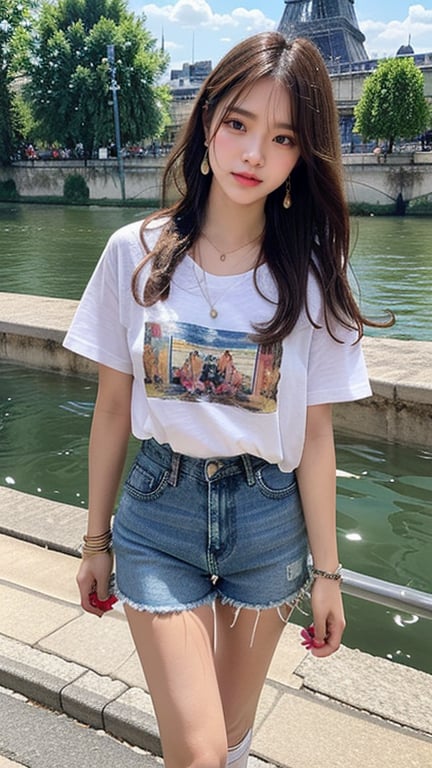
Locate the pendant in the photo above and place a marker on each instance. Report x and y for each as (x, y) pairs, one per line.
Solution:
(213, 313)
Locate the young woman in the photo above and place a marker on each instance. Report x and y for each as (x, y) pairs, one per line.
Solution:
(224, 328)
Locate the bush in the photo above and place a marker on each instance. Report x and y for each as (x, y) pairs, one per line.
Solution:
(75, 189)
(369, 209)
(420, 207)
(8, 190)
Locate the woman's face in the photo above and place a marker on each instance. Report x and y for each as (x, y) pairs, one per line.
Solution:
(254, 149)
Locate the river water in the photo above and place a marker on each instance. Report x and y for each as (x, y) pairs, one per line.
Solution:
(384, 490)
(52, 250)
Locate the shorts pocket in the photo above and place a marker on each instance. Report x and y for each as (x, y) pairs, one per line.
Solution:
(146, 482)
(275, 484)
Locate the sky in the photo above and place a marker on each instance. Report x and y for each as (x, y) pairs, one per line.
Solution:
(196, 30)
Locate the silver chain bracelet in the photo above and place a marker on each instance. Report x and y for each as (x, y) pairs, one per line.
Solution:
(334, 576)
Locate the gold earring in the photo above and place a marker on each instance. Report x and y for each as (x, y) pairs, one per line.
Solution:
(205, 167)
(287, 201)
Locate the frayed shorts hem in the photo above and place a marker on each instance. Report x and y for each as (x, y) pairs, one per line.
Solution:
(163, 609)
(292, 600)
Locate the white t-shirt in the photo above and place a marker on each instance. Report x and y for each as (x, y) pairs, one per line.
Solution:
(200, 384)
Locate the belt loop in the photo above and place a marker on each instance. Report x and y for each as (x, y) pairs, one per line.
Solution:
(250, 474)
(175, 469)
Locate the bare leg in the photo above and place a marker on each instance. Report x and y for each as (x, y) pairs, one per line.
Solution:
(242, 668)
(176, 653)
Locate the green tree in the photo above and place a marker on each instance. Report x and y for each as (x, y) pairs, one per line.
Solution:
(15, 32)
(392, 105)
(70, 84)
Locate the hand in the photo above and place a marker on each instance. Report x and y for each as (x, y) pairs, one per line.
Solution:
(328, 615)
(93, 580)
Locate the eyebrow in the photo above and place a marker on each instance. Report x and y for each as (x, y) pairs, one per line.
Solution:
(246, 113)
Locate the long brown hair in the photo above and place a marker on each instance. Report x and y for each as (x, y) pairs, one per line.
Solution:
(314, 232)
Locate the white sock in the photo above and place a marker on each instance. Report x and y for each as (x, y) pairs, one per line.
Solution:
(238, 755)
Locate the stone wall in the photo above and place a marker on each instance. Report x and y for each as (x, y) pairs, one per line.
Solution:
(32, 329)
(46, 178)
(367, 181)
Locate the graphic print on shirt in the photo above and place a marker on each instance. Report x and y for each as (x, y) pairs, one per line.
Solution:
(190, 362)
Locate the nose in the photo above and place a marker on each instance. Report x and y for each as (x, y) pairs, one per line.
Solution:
(253, 152)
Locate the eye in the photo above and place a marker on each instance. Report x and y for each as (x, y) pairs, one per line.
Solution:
(235, 124)
(285, 141)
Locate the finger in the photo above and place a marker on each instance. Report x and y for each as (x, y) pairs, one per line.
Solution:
(103, 605)
(88, 592)
(324, 650)
(320, 636)
(102, 590)
(331, 645)
(87, 605)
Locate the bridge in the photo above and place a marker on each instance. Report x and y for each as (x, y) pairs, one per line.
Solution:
(377, 179)
(370, 179)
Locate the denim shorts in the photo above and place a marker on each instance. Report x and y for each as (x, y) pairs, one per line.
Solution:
(188, 531)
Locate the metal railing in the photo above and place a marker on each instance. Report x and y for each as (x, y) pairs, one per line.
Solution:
(386, 593)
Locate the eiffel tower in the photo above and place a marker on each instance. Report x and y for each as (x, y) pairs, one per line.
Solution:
(330, 24)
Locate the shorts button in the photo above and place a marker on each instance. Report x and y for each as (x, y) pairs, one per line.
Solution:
(211, 468)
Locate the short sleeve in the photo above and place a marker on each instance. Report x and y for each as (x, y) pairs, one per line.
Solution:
(336, 367)
(99, 327)
(337, 370)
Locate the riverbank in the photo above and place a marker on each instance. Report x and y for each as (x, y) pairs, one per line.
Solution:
(351, 709)
(371, 186)
(32, 329)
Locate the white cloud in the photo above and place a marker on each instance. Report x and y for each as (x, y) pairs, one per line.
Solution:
(385, 39)
(191, 14)
(420, 13)
(192, 24)
(252, 21)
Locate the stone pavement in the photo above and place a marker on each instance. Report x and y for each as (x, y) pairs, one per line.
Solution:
(350, 710)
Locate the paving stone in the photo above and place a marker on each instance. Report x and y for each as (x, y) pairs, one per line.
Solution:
(37, 675)
(131, 672)
(421, 392)
(42, 316)
(131, 717)
(29, 617)
(101, 644)
(41, 521)
(38, 569)
(86, 698)
(392, 691)
(298, 729)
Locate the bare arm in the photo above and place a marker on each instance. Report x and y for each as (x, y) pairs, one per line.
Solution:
(316, 477)
(109, 437)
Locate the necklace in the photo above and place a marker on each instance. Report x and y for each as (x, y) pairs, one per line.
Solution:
(224, 254)
(203, 286)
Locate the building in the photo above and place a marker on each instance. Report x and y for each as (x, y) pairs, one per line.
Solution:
(330, 24)
(184, 85)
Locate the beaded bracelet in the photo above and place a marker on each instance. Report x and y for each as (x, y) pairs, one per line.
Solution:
(334, 576)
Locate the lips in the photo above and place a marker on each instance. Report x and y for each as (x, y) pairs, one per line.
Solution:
(247, 179)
